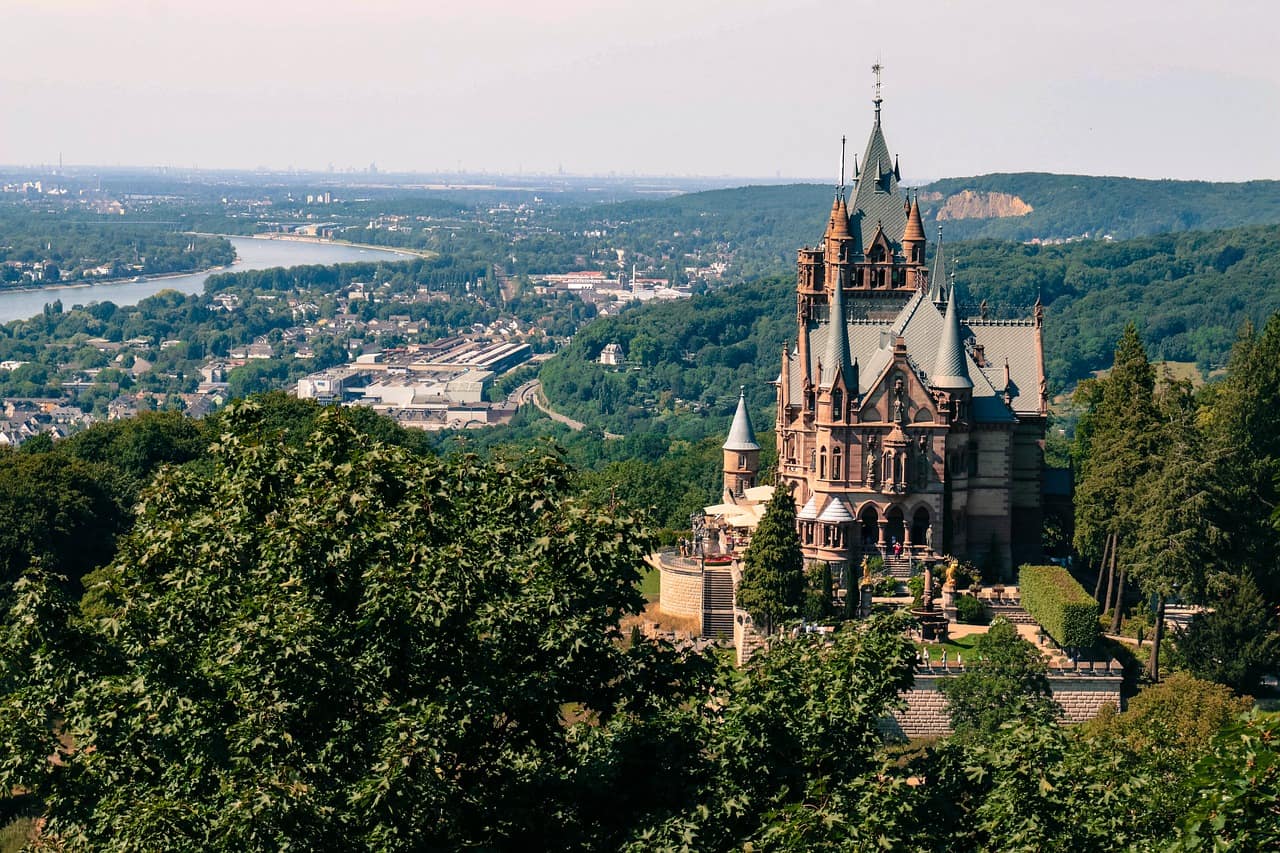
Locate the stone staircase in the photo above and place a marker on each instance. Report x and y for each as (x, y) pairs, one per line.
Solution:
(1009, 608)
(717, 602)
(898, 567)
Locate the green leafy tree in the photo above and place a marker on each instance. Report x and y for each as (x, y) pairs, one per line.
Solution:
(817, 592)
(1005, 678)
(335, 642)
(792, 756)
(1236, 643)
(772, 585)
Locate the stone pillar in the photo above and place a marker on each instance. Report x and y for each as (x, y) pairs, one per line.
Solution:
(884, 529)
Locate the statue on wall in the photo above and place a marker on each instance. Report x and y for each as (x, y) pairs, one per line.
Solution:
(899, 404)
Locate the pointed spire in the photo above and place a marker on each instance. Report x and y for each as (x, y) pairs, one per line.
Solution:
(838, 224)
(951, 371)
(836, 359)
(937, 278)
(915, 227)
(897, 173)
(741, 435)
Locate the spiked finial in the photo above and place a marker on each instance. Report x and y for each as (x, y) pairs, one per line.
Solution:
(876, 69)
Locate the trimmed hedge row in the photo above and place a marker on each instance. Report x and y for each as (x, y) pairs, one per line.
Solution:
(1061, 606)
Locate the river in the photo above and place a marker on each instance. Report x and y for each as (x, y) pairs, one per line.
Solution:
(251, 254)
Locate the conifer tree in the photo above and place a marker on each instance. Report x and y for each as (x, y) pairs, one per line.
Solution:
(772, 585)
(1244, 424)
(1115, 447)
(1174, 546)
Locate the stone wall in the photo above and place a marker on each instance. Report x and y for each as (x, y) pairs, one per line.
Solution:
(1080, 695)
(680, 591)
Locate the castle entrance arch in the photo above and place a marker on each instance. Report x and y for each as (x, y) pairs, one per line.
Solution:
(895, 529)
(869, 527)
(920, 527)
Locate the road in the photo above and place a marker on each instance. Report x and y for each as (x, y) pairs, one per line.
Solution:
(531, 392)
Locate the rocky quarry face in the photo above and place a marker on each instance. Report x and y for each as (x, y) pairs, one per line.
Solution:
(968, 204)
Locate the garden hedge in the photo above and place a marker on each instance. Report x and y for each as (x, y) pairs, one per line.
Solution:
(1061, 606)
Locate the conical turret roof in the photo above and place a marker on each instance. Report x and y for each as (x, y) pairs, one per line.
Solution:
(915, 228)
(838, 224)
(836, 357)
(741, 435)
(950, 371)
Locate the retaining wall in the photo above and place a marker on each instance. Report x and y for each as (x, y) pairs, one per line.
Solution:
(1081, 696)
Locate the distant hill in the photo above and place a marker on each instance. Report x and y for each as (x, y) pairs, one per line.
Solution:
(771, 222)
(1188, 292)
(1063, 207)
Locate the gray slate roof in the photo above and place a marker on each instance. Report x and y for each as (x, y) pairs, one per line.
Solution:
(920, 324)
(950, 369)
(741, 435)
(876, 199)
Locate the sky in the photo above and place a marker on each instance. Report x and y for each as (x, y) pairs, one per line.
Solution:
(1143, 88)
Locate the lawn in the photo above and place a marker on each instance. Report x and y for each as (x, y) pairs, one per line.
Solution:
(958, 645)
(649, 585)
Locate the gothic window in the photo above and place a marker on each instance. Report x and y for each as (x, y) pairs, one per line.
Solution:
(742, 461)
(897, 468)
(837, 468)
(837, 404)
(791, 448)
(813, 402)
(822, 464)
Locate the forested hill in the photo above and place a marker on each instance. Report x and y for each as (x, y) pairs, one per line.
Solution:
(1188, 293)
(766, 224)
(1067, 206)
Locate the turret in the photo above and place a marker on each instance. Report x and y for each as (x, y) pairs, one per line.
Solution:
(950, 369)
(913, 235)
(741, 451)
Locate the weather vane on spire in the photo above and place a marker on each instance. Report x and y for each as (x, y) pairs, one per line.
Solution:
(842, 144)
(876, 69)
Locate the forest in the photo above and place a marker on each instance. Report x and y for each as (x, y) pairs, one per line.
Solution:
(455, 675)
(1189, 293)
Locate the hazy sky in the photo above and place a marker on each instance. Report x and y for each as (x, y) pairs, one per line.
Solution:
(1157, 88)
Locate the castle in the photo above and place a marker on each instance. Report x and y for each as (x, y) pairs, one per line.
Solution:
(906, 426)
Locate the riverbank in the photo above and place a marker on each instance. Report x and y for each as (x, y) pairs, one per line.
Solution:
(81, 283)
(303, 238)
(251, 254)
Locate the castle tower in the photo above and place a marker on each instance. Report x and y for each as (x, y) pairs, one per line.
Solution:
(741, 452)
(902, 426)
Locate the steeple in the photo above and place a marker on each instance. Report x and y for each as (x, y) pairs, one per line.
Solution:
(836, 359)
(741, 436)
(937, 279)
(950, 370)
(876, 198)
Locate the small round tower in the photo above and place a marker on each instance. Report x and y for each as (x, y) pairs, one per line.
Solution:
(741, 451)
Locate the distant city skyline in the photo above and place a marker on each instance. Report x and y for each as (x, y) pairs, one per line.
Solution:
(1183, 89)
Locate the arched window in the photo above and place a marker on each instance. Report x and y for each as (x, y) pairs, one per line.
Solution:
(822, 464)
(837, 468)
(837, 404)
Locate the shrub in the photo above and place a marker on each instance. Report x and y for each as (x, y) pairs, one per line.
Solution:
(916, 587)
(970, 611)
(1061, 606)
(884, 587)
